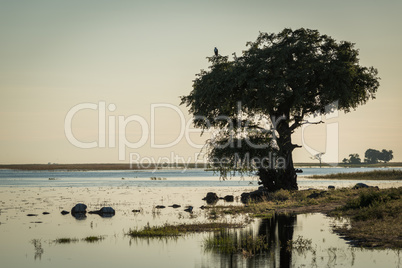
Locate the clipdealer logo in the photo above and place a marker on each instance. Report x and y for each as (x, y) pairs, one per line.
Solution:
(107, 135)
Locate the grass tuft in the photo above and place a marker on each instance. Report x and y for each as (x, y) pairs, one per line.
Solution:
(65, 240)
(93, 239)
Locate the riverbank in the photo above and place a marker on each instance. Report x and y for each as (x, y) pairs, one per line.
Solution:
(375, 215)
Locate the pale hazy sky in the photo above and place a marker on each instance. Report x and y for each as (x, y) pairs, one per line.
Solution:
(55, 55)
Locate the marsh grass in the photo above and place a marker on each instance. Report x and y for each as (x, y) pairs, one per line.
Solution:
(65, 240)
(226, 242)
(375, 214)
(369, 175)
(300, 244)
(287, 201)
(89, 239)
(376, 217)
(93, 239)
(169, 230)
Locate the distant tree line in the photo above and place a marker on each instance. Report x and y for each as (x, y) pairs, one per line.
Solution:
(371, 156)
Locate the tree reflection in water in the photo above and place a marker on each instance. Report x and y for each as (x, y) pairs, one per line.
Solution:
(277, 231)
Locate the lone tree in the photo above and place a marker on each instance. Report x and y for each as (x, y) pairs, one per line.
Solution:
(353, 159)
(256, 101)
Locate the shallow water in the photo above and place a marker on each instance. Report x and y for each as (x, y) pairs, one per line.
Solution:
(165, 178)
(17, 230)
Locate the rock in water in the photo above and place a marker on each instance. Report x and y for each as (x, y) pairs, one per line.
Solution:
(229, 198)
(79, 208)
(211, 198)
(105, 212)
(189, 209)
(79, 211)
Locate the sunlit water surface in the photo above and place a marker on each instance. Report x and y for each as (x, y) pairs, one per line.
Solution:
(23, 193)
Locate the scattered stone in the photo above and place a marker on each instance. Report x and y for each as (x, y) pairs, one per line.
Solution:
(45, 213)
(104, 212)
(175, 206)
(79, 211)
(211, 198)
(160, 206)
(257, 195)
(316, 195)
(64, 212)
(136, 210)
(331, 187)
(202, 207)
(362, 185)
(32, 215)
(189, 209)
(229, 198)
(79, 208)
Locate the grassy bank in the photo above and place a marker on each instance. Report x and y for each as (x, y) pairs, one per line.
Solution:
(369, 175)
(375, 218)
(375, 215)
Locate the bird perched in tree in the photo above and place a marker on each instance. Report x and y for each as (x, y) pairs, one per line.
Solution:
(216, 51)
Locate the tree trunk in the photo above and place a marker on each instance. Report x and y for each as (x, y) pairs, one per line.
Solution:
(281, 175)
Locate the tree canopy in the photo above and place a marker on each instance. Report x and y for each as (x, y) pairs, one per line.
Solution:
(353, 159)
(372, 156)
(258, 99)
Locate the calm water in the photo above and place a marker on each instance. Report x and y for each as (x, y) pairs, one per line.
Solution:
(164, 178)
(23, 193)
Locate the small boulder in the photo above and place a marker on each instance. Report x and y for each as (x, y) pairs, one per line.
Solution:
(257, 195)
(79, 208)
(45, 213)
(189, 209)
(105, 212)
(211, 198)
(79, 211)
(331, 187)
(32, 215)
(160, 206)
(136, 210)
(64, 212)
(175, 206)
(229, 198)
(360, 185)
